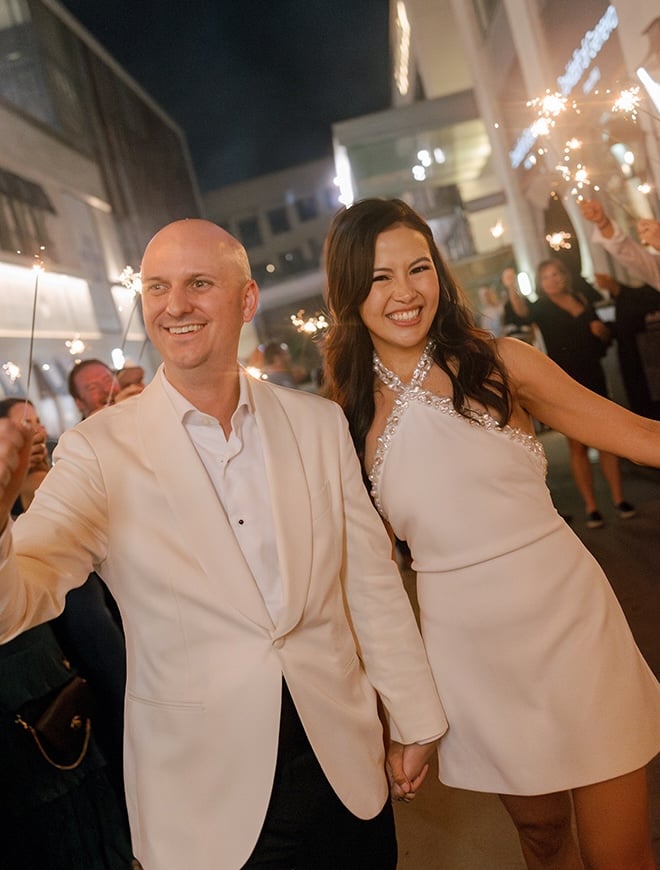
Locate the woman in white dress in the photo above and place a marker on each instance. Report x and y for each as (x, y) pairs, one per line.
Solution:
(550, 703)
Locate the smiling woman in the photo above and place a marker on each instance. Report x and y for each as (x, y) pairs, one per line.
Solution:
(512, 605)
(400, 307)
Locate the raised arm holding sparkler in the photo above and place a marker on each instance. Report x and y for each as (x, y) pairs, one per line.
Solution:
(633, 255)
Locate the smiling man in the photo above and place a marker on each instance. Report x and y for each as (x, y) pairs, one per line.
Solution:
(263, 613)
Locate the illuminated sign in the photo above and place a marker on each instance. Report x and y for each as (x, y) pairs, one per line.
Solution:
(581, 59)
(590, 47)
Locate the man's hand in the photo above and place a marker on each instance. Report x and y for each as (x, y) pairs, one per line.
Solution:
(128, 391)
(15, 455)
(407, 767)
(39, 460)
(593, 211)
(648, 231)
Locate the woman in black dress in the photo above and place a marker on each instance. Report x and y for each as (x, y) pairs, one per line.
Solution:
(576, 339)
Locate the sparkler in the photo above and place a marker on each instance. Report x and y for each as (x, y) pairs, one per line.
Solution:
(560, 240)
(578, 177)
(629, 103)
(550, 106)
(38, 268)
(133, 282)
(12, 371)
(76, 345)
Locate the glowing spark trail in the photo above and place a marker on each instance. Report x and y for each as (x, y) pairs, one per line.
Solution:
(557, 241)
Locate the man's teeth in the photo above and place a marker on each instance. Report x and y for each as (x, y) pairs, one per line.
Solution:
(180, 330)
(404, 315)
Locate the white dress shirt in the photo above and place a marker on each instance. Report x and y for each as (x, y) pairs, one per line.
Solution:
(237, 471)
(637, 259)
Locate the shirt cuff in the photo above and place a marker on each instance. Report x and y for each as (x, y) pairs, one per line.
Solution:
(617, 234)
(428, 740)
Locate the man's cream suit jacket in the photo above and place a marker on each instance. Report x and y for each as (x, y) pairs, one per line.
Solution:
(129, 498)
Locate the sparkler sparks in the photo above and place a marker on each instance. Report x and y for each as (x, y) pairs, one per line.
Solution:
(628, 102)
(548, 108)
(549, 105)
(311, 326)
(12, 371)
(75, 346)
(131, 280)
(560, 240)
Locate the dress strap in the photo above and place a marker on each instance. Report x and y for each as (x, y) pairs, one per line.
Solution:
(395, 383)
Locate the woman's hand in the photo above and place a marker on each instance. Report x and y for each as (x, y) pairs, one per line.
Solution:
(407, 767)
(601, 331)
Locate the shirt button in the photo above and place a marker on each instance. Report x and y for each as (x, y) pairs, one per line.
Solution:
(279, 643)
(240, 522)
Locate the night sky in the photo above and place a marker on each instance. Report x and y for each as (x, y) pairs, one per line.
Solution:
(255, 85)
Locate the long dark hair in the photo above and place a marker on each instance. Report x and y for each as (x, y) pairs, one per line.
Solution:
(459, 343)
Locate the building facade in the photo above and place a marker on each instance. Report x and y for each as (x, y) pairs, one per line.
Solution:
(282, 219)
(470, 140)
(90, 168)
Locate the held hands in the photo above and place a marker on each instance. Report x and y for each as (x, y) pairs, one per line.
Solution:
(407, 767)
(15, 458)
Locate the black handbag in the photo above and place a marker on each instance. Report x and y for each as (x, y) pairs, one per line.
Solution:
(60, 723)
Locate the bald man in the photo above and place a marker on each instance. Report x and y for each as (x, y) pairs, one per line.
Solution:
(264, 617)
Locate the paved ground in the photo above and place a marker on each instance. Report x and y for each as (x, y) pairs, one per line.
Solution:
(450, 829)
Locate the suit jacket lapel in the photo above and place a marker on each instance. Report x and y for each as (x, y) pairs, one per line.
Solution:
(194, 502)
(290, 501)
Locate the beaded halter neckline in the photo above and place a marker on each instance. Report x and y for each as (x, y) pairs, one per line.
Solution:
(395, 383)
(414, 392)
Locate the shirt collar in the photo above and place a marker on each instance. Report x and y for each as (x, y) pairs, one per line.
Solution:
(185, 409)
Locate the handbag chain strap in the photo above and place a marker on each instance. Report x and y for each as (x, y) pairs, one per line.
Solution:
(88, 733)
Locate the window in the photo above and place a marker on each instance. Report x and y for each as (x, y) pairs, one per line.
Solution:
(248, 230)
(23, 208)
(331, 196)
(278, 220)
(307, 208)
(292, 262)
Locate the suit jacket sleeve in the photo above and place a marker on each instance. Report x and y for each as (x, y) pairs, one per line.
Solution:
(388, 639)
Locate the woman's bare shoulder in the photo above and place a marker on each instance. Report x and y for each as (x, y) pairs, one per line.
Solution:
(518, 356)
